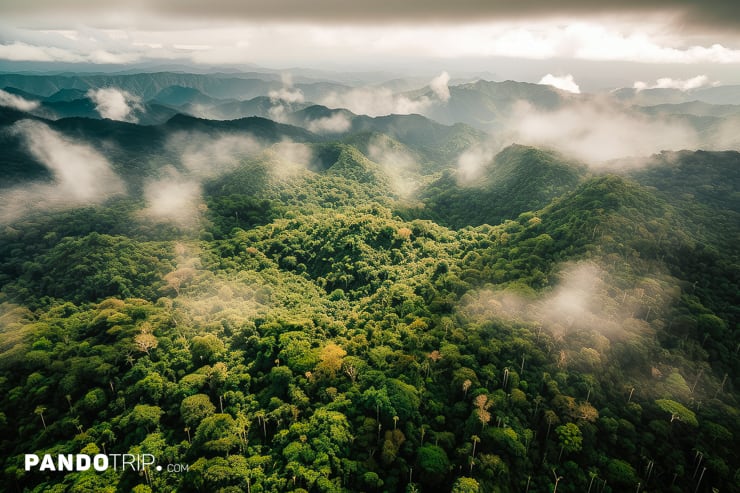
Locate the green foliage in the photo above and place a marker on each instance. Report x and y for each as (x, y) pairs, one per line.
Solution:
(308, 339)
(519, 179)
(677, 411)
(465, 485)
(196, 407)
(433, 460)
(570, 436)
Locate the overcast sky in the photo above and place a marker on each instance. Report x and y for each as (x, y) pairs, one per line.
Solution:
(645, 39)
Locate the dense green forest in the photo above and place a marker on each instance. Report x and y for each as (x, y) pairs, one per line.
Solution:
(347, 314)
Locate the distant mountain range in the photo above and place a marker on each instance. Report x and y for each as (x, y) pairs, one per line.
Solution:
(483, 104)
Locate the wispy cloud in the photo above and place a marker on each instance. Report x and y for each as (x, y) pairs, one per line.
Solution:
(17, 102)
(595, 132)
(439, 86)
(378, 101)
(116, 104)
(565, 82)
(334, 124)
(173, 199)
(681, 84)
(397, 163)
(584, 298)
(291, 158)
(287, 93)
(472, 161)
(207, 156)
(283, 98)
(375, 102)
(81, 174)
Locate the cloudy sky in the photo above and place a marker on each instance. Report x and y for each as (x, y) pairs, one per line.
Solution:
(593, 39)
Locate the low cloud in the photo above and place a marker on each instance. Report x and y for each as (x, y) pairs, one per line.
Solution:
(584, 298)
(398, 165)
(287, 93)
(115, 104)
(173, 199)
(565, 83)
(176, 196)
(335, 124)
(81, 175)
(681, 84)
(440, 86)
(283, 98)
(380, 101)
(471, 163)
(595, 132)
(206, 156)
(291, 159)
(17, 102)
(375, 102)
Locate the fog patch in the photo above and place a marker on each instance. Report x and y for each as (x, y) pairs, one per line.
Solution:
(287, 93)
(586, 298)
(176, 196)
(726, 135)
(173, 199)
(398, 165)
(116, 104)
(680, 84)
(380, 101)
(202, 297)
(565, 83)
(335, 124)
(595, 132)
(290, 159)
(206, 156)
(472, 162)
(17, 102)
(439, 86)
(375, 102)
(82, 175)
(282, 98)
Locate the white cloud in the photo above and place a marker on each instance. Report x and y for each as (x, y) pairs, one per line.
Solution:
(566, 83)
(334, 124)
(24, 52)
(375, 102)
(440, 87)
(584, 298)
(173, 199)
(107, 57)
(598, 132)
(17, 102)
(81, 174)
(682, 84)
(206, 156)
(176, 197)
(397, 164)
(472, 161)
(273, 43)
(380, 101)
(287, 93)
(115, 104)
(282, 98)
(291, 158)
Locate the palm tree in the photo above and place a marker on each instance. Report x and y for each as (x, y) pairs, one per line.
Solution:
(557, 480)
(40, 411)
(475, 439)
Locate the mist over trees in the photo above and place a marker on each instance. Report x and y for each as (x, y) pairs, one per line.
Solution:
(339, 302)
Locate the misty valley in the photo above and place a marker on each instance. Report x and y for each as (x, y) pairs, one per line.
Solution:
(307, 284)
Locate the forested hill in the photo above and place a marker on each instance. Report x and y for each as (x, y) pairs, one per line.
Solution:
(283, 310)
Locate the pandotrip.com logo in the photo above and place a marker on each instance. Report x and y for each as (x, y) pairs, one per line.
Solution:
(97, 462)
